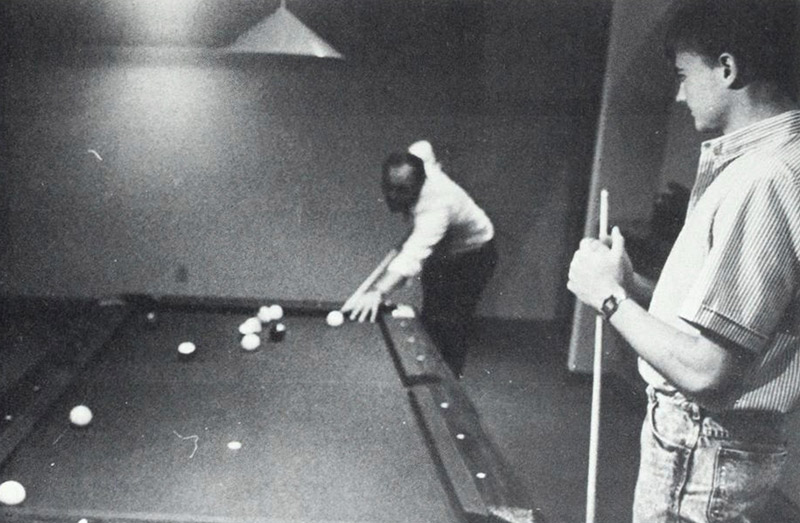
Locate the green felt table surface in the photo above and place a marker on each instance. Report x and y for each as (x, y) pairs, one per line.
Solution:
(325, 424)
(356, 423)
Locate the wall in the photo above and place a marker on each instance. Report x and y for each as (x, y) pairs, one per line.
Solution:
(628, 155)
(258, 177)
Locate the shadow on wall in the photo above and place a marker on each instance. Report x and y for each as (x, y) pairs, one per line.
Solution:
(649, 253)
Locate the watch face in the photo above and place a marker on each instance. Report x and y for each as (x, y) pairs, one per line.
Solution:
(609, 306)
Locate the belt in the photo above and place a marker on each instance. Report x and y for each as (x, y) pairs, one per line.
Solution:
(743, 425)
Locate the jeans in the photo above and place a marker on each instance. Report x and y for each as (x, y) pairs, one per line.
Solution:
(698, 466)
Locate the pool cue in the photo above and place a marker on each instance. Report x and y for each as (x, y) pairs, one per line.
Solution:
(597, 380)
(373, 277)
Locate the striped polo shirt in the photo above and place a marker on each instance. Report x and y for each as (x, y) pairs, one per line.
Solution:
(735, 267)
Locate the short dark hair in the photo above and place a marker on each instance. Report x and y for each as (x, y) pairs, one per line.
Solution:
(760, 34)
(395, 160)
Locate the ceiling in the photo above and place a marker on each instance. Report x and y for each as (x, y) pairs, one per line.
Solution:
(522, 49)
(377, 28)
(211, 23)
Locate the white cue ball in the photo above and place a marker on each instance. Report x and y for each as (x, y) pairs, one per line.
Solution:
(80, 415)
(264, 314)
(186, 348)
(250, 342)
(11, 493)
(276, 311)
(335, 318)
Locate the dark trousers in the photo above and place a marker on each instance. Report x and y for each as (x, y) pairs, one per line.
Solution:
(452, 285)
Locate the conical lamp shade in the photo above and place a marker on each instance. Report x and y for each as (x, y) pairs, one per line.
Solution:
(283, 33)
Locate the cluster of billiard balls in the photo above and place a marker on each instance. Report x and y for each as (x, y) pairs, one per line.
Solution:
(13, 492)
(251, 327)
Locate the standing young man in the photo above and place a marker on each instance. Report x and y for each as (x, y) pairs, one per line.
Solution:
(720, 344)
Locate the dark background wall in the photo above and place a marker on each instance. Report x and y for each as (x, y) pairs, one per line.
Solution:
(137, 158)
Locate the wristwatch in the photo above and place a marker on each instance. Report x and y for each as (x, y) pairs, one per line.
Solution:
(611, 304)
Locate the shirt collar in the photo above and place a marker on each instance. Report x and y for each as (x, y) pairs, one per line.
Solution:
(729, 146)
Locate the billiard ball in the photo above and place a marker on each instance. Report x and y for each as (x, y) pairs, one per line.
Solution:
(277, 332)
(335, 318)
(151, 318)
(12, 493)
(186, 350)
(276, 312)
(250, 341)
(80, 416)
(264, 314)
(250, 326)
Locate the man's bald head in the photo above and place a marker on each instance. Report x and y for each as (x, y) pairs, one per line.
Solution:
(402, 180)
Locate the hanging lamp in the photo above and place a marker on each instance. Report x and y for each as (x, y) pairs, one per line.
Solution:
(283, 33)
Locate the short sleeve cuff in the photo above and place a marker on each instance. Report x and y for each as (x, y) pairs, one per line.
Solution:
(729, 329)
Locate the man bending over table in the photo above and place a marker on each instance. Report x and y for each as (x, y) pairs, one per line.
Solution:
(451, 244)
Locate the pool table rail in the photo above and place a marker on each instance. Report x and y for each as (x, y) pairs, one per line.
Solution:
(483, 485)
(38, 381)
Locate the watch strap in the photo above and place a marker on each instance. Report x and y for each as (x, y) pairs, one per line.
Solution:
(611, 304)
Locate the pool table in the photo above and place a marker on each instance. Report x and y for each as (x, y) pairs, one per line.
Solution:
(356, 423)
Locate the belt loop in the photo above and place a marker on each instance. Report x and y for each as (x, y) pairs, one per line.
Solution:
(697, 412)
(651, 395)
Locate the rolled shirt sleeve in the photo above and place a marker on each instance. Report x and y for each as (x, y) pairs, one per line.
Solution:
(444, 214)
(750, 276)
(430, 226)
